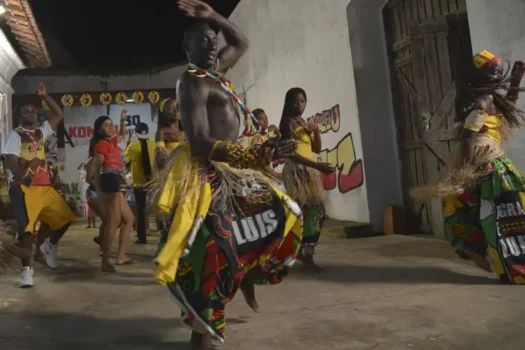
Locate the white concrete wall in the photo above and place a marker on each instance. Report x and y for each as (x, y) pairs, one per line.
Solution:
(499, 26)
(10, 64)
(376, 112)
(306, 44)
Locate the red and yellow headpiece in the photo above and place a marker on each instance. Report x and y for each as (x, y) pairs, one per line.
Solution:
(484, 59)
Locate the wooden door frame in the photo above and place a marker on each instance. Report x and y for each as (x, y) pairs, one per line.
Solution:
(429, 133)
(431, 137)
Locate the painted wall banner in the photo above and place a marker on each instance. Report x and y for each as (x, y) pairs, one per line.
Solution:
(328, 120)
(349, 173)
(349, 169)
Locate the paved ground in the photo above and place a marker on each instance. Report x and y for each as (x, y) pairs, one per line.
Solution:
(388, 293)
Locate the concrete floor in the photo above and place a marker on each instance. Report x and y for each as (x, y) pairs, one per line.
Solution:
(388, 293)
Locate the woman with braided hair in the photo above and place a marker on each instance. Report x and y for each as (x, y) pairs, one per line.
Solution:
(483, 192)
(301, 173)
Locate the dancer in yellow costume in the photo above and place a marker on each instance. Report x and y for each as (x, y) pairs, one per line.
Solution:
(230, 228)
(301, 174)
(483, 192)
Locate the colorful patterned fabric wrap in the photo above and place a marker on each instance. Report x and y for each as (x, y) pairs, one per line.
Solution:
(314, 217)
(243, 241)
(300, 183)
(246, 158)
(489, 220)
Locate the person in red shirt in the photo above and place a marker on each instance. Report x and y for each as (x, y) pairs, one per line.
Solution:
(107, 168)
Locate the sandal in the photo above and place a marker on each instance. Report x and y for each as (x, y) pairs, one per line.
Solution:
(128, 262)
(108, 268)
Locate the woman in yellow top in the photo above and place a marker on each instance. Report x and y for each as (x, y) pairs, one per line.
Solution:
(484, 194)
(301, 173)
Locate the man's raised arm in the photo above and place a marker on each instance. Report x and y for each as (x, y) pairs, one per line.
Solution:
(236, 42)
(57, 114)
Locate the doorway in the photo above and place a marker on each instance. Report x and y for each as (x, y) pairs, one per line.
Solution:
(428, 41)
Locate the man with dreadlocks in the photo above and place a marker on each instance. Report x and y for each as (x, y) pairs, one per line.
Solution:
(484, 194)
(230, 229)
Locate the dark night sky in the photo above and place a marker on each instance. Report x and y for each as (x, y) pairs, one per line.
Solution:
(117, 36)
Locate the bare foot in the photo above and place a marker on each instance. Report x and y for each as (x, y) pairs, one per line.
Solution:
(107, 267)
(479, 260)
(248, 290)
(125, 260)
(309, 264)
(201, 342)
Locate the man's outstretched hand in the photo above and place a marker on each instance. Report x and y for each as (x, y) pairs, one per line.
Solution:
(195, 8)
(41, 90)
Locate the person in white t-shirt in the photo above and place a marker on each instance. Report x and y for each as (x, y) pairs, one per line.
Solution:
(31, 193)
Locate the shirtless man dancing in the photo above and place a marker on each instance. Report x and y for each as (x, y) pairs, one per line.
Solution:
(231, 229)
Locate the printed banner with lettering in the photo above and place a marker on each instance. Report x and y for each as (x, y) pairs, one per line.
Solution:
(79, 122)
(78, 130)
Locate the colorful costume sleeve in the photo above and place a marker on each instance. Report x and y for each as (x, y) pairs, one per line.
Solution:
(475, 120)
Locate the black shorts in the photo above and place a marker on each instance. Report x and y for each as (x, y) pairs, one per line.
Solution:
(110, 183)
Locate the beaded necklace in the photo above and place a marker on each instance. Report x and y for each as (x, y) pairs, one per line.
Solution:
(251, 124)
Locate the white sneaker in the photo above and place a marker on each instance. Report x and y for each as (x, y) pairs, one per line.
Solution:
(26, 277)
(50, 254)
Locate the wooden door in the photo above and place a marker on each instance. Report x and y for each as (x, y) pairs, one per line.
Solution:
(428, 41)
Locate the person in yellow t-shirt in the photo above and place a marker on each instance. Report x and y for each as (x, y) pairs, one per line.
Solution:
(139, 157)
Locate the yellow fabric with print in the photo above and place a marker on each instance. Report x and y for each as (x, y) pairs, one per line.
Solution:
(304, 142)
(196, 202)
(477, 119)
(170, 146)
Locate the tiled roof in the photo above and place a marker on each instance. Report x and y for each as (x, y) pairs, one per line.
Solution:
(20, 19)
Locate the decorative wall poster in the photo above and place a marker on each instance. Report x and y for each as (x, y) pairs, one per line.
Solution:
(67, 100)
(121, 98)
(138, 97)
(154, 97)
(86, 100)
(105, 98)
